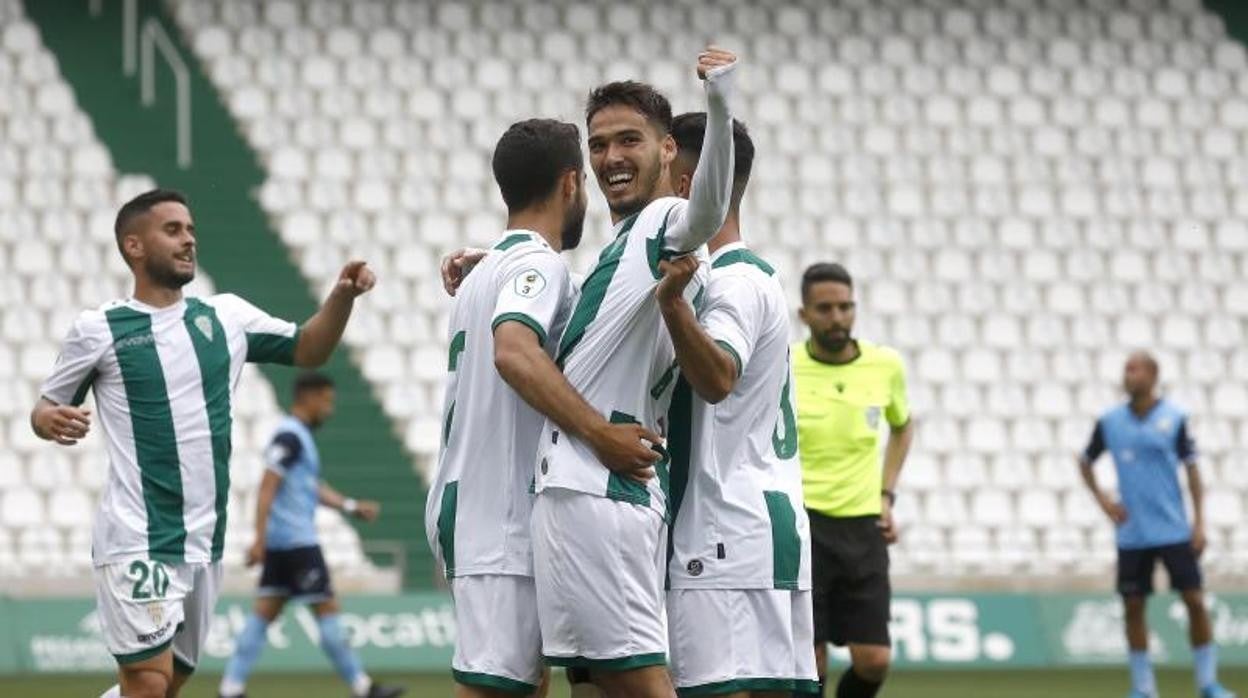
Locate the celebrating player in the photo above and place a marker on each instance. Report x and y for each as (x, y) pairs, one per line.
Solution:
(504, 330)
(739, 606)
(286, 542)
(844, 386)
(164, 369)
(598, 536)
(1149, 439)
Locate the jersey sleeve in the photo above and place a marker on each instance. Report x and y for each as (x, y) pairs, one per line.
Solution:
(689, 225)
(1096, 444)
(898, 411)
(282, 453)
(75, 367)
(531, 293)
(732, 317)
(270, 340)
(1184, 444)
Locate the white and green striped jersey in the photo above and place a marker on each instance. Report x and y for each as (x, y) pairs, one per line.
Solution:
(616, 350)
(479, 505)
(164, 381)
(739, 521)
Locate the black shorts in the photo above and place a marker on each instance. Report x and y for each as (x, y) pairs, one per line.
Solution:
(298, 573)
(1135, 568)
(849, 575)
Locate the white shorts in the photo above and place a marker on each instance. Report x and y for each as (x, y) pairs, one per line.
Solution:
(599, 567)
(498, 644)
(730, 640)
(146, 607)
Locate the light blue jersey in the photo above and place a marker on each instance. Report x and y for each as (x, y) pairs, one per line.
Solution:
(292, 455)
(1147, 452)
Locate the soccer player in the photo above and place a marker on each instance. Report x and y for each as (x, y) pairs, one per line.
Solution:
(844, 387)
(1149, 439)
(598, 537)
(164, 369)
(505, 327)
(286, 543)
(739, 604)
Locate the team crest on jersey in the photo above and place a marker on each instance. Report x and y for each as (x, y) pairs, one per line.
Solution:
(873, 417)
(694, 567)
(157, 613)
(1163, 424)
(203, 323)
(530, 283)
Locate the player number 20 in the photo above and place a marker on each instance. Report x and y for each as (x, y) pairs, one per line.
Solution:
(142, 573)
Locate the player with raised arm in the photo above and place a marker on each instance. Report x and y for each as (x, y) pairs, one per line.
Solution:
(164, 369)
(599, 538)
(287, 543)
(739, 603)
(505, 327)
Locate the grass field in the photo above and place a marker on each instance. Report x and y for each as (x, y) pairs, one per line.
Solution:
(1069, 683)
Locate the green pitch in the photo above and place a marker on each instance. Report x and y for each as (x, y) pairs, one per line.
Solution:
(1068, 683)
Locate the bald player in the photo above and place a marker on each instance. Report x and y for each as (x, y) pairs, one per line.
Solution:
(1149, 439)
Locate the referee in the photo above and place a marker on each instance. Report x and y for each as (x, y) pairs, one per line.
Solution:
(847, 389)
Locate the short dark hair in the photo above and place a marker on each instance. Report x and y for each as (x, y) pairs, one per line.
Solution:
(637, 95)
(820, 272)
(689, 130)
(140, 205)
(530, 158)
(310, 381)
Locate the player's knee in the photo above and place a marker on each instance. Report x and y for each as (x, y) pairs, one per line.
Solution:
(872, 664)
(1194, 599)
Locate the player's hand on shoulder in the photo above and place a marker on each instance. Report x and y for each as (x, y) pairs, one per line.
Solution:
(712, 58)
(627, 450)
(677, 274)
(457, 265)
(63, 424)
(367, 509)
(255, 554)
(356, 278)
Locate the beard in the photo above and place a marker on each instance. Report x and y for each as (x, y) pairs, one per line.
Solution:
(832, 341)
(648, 183)
(164, 274)
(573, 227)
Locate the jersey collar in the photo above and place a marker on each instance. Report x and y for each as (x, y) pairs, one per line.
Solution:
(738, 245)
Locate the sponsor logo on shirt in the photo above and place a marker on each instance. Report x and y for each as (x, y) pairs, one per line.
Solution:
(136, 340)
(1163, 424)
(694, 567)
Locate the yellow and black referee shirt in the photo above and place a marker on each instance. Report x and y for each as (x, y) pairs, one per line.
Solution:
(841, 409)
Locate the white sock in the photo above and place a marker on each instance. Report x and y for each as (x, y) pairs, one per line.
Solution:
(114, 692)
(362, 685)
(231, 688)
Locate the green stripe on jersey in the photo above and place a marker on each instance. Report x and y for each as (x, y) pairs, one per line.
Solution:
(511, 241)
(680, 448)
(155, 441)
(446, 526)
(457, 347)
(525, 320)
(743, 256)
(786, 545)
(593, 291)
(655, 251)
(263, 348)
(80, 395)
(213, 352)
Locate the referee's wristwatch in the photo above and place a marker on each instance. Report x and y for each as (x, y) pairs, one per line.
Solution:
(891, 495)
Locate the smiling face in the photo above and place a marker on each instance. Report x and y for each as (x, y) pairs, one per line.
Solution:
(161, 242)
(629, 158)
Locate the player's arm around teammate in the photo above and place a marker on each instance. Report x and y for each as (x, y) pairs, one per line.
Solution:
(709, 368)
